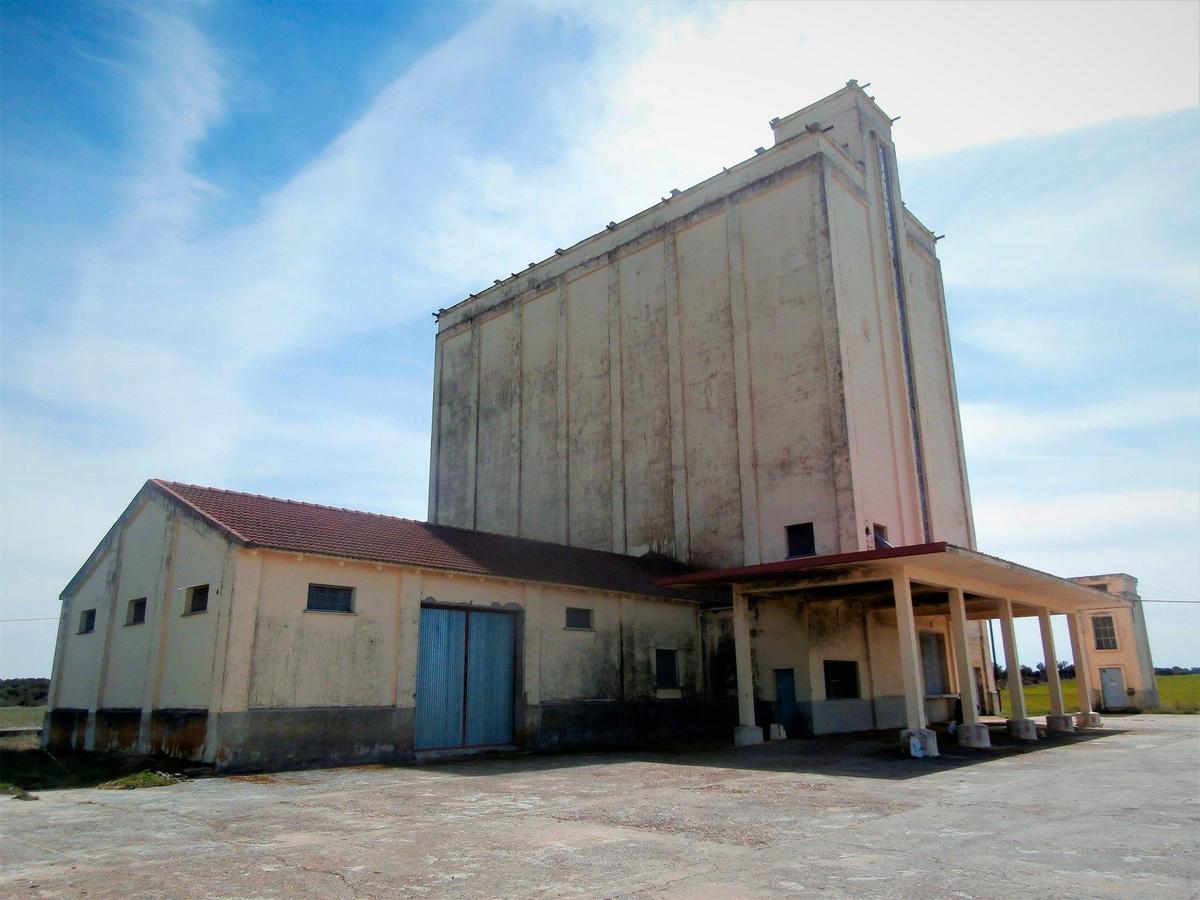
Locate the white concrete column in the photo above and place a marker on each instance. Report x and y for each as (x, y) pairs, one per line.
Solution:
(1056, 720)
(971, 732)
(917, 739)
(1083, 674)
(1019, 724)
(910, 655)
(747, 732)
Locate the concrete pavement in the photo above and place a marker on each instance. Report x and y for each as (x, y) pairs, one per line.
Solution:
(1114, 813)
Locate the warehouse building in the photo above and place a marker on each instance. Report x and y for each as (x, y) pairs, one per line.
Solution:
(707, 459)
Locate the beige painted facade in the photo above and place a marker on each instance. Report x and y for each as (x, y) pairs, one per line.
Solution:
(698, 377)
(1120, 667)
(257, 679)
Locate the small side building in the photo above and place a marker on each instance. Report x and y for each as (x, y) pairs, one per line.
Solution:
(252, 632)
(1121, 669)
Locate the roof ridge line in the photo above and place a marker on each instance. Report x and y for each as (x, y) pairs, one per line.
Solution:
(166, 485)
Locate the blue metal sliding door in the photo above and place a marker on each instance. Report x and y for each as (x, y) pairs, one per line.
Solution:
(464, 679)
(440, 684)
(489, 679)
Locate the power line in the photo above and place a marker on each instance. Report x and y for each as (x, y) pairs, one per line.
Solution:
(42, 619)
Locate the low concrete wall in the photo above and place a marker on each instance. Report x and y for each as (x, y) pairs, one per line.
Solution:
(891, 712)
(613, 724)
(321, 736)
(835, 716)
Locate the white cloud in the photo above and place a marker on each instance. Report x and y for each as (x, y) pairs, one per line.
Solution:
(162, 351)
(997, 430)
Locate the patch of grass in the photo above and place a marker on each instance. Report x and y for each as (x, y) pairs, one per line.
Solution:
(21, 716)
(1177, 693)
(143, 779)
(1037, 699)
(17, 793)
(38, 770)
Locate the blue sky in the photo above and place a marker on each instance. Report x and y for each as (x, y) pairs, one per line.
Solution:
(225, 227)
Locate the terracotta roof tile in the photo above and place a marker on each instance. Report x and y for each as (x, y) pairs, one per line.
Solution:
(298, 527)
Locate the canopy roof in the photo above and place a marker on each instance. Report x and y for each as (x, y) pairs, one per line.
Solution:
(932, 568)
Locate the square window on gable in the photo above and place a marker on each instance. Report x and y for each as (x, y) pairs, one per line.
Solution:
(197, 600)
(136, 613)
(87, 621)
(579, 618)
(330, 598)
(801, 540)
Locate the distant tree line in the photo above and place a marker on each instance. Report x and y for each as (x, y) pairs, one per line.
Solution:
(1066, 671)
(1036, 675)
(24, 691)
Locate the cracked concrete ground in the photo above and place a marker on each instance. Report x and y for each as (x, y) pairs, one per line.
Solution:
(1111, 814)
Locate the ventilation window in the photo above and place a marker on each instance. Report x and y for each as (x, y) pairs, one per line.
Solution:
(1105, 631)
(136, 613)
(197, 600)
(666, 668)
(330, 598)
(841, 679)
(87, 621)
(579, 618)
(801, 540)
(881, 537)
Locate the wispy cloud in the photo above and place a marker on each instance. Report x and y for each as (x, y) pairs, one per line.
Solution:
(290, 351)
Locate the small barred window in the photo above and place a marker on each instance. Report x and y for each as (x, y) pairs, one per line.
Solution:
(330, 598)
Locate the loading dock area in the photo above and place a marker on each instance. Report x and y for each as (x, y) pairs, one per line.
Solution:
(1103, 813)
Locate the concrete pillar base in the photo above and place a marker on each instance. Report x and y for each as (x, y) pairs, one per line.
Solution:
(976, 735)
(778, 732)
(918, 742)
(1060, 723)
(1023, 729)
(1088, 720)
(747, 735)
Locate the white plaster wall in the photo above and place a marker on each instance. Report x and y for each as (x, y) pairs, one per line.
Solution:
(130, 654)
(949, 506)
(189, 641)
(78, 673)
(304, 658)
(794, 444)
(541, 465)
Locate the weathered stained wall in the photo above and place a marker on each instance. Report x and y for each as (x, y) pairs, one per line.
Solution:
(725, 364)
(789, 632)
(122, 674)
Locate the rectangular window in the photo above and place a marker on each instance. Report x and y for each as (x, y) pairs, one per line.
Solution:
(87, 621)
(841, 679)
(330, 598)
(136, 613)
(579, 618)
(1105, 631)
(197, 600)
(801, 540)
(666, 668)
(881, 537)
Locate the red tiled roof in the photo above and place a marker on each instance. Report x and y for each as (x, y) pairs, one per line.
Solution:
(269, 522)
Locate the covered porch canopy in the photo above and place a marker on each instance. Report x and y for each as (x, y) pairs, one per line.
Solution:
(924, 579)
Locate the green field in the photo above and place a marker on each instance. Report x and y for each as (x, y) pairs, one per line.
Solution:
(1178, 693)
(18, 716)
